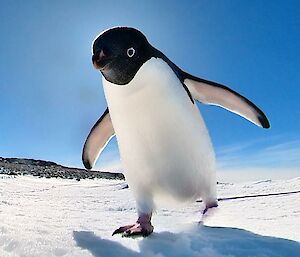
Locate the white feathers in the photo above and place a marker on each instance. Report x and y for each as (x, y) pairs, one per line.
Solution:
(164, 145)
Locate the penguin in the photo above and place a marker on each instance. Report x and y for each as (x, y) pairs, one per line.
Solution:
(164, 145)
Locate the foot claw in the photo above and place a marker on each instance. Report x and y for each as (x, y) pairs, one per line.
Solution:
(140, 228)
(121, 230)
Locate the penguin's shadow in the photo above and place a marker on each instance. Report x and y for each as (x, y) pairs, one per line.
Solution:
(203, 241)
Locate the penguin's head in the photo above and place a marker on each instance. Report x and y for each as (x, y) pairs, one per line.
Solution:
(119, 53)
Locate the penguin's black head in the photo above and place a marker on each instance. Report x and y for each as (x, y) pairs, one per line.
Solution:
(119, 53)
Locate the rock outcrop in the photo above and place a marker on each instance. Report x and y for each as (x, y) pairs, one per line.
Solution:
(48, 169)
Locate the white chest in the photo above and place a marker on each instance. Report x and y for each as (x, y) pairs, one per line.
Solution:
(160, 132)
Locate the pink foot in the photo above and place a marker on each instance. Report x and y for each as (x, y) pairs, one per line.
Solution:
(142, 227)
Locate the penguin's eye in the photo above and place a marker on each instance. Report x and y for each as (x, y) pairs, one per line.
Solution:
(130, 52)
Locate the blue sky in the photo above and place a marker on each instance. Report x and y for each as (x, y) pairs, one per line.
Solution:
(51, 96)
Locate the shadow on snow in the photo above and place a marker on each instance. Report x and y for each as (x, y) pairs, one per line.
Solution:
(200, 241)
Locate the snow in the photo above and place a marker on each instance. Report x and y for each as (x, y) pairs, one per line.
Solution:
(56, 217)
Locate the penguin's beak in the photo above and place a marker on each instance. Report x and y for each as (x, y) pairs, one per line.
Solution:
(100, 60)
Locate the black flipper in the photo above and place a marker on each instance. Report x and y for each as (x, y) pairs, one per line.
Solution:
(97, 139)
(209, 92)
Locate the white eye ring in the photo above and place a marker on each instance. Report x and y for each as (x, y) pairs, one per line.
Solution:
(130, 52)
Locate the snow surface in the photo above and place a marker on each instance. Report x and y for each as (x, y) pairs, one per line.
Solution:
(56, 217)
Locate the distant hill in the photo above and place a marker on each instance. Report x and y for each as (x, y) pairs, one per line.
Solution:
(48, 169)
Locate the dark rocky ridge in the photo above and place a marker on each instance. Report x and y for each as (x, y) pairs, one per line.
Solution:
(47, 169)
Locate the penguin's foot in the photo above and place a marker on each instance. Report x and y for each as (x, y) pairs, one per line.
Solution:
(142, 227)
(210, 206)
(209, 210)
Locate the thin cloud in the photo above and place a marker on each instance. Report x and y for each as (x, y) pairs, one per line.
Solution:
(257, 153)
(112, 166)
(259, 159)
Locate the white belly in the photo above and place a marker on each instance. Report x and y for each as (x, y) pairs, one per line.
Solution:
(163, 142)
